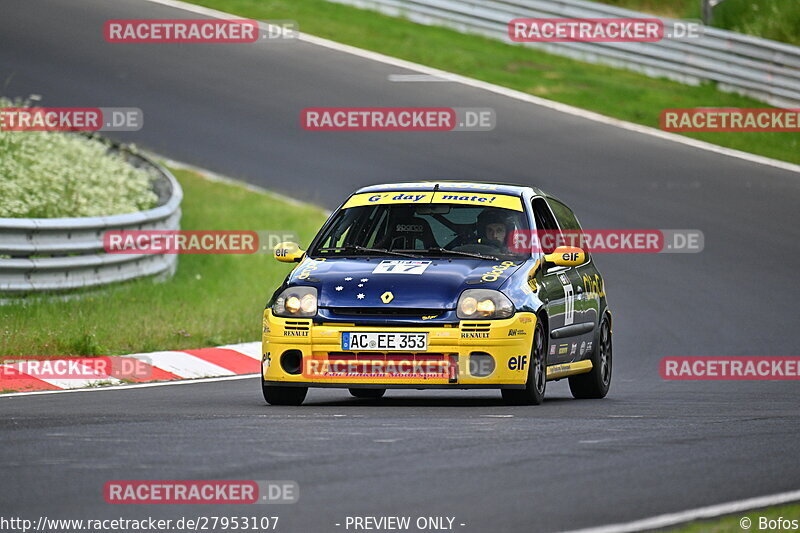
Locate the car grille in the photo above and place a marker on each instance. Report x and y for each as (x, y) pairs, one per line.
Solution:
(297, 325)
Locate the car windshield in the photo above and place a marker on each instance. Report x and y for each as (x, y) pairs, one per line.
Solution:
(422, 231)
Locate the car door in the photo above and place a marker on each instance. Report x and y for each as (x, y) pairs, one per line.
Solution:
(557, 289)
(584, 310)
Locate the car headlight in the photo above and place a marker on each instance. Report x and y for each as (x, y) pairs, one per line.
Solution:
(483, 303)
(296, 302)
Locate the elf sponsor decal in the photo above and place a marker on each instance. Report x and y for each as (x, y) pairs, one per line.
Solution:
(497, 270)
(517, 363)
(393, 266)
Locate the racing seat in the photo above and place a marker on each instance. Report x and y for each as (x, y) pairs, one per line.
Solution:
(408, 232)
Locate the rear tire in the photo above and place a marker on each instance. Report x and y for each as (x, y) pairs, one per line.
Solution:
(533, 393)
(277, 395)
(368, 394)
(595, 384)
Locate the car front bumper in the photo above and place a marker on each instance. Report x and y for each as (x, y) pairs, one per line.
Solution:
(455, 355)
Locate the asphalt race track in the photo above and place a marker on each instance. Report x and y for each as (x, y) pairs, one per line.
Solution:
(651, 447)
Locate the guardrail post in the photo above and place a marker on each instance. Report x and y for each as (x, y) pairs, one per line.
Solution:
(707, 10)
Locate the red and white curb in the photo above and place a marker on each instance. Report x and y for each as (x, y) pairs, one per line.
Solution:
(229, 360)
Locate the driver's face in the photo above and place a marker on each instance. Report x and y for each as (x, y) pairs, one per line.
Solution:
(496, 232)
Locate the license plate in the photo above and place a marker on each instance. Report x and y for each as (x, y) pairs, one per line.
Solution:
(381, 342)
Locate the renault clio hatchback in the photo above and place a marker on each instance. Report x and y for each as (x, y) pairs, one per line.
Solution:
(425, 286)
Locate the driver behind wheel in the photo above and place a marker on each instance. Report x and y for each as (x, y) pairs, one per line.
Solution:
(493, 229)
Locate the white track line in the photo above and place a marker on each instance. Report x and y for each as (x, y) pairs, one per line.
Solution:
(712, 511)
(133, 386)
(504, 91)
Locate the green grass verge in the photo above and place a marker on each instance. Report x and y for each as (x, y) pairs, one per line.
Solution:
(731, 524)
(212, 299)
(771, 19)
(616, 93)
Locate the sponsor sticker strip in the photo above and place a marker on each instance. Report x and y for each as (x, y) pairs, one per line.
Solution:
(440, 197)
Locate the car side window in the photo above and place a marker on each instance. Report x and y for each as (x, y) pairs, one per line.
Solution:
(544, 221)
(570, 226)
(566, 218)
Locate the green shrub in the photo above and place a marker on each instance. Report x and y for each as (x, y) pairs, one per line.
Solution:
(58, 174)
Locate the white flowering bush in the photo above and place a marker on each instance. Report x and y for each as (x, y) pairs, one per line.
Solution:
(56, 174)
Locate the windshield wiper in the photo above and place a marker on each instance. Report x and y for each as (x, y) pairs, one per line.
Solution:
(357, 248)
(466, 254)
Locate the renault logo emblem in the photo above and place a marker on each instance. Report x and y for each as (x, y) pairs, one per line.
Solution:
(387, 297)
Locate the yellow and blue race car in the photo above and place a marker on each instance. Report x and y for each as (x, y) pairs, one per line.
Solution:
(425, 285)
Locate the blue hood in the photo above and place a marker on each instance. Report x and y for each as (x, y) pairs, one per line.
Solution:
(437, 284)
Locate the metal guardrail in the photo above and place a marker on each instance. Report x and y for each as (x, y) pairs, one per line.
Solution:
(56, 254)
(765, 70)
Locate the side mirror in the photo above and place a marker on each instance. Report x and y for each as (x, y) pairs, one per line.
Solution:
(288, 252)
(566, 256)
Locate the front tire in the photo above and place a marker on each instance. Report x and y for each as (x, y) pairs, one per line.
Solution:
(277, 395)
(368, 394)
(596, 383)
(533, 393)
